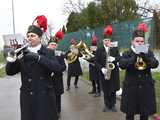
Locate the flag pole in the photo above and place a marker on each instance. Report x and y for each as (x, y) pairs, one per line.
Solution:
(13, 17)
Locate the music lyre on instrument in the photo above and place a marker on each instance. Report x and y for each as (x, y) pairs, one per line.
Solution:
(140, 63)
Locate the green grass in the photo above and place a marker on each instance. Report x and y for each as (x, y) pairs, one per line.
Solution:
(2, 72)
(2, 59)
(156, 77)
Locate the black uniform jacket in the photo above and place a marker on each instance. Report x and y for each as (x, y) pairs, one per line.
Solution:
(138, 94)
(114, 83)
(93, 71)
(74, 68)
(58, 77)
(37, 94)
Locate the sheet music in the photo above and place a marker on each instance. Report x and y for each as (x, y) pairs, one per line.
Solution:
(142, 48)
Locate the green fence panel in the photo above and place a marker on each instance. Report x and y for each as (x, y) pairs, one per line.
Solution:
(122, 32)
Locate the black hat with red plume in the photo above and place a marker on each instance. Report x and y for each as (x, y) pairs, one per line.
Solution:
(58, 36)
(107, 32)
(38, 26)
(140, 30)
(94, 40)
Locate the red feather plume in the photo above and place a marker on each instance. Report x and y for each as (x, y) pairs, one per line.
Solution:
(59, 35)
(41, 22)
(94, 40)
(142, 26)
(107, 30)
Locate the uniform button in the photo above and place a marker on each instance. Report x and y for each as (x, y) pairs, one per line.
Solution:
(29, 79)
(139, 75)
(41, 78)
(140, 86)
(31, 93)
(52, 74)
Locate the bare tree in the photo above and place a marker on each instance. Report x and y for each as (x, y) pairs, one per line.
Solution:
(71, 6)
(147, 7)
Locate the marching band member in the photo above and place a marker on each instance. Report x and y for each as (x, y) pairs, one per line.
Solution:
(138, 95)
(74, 68)
(37, 97)
(109, 76)
(93, 76)
(58, 77)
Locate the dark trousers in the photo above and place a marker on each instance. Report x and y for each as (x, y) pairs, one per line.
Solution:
(69, 80)
(58, 103)
(131, 117)
(109, 99)
(95, 86)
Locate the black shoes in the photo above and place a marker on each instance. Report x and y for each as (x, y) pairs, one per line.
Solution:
(97, 94)
(107, 109)
(91, 92)
(75, 86)
(59, 115)
(113, 109)
(68, 88)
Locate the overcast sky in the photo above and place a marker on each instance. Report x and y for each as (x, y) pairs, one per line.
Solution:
(25, 12)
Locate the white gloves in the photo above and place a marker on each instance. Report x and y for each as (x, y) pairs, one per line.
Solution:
(104, 70)
(111, 59)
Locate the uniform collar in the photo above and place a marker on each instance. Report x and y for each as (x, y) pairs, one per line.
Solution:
(133, 49)
(35, 49)
(106, 48)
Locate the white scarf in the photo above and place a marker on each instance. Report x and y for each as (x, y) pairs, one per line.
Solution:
(35, 49)
(133, 49)
(106, 48)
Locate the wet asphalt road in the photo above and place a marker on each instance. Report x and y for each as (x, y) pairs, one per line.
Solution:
(77, 104)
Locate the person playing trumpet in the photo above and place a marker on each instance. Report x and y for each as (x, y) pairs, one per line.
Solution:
(37, 96)
(138, 95)
(105, 55)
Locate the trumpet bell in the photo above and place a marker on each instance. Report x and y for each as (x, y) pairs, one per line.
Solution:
(14, 54)
(110, 66)
(11, 57)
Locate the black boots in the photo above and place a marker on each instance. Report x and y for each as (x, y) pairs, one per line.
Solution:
(68, 88)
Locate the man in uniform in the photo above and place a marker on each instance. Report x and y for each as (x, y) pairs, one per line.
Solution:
(93, 76)
(138, 95)
(74, 68)
(37, 97)
(58, 77)
(105, 55)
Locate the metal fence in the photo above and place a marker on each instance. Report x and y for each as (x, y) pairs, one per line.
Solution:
(122, 32)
